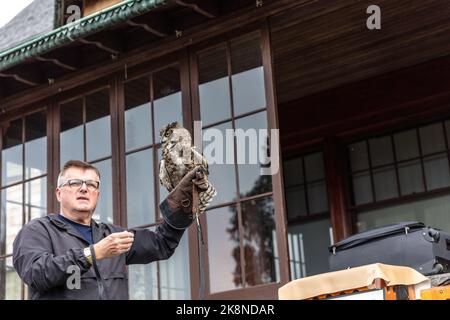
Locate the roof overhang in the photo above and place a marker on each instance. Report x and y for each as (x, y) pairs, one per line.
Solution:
(111, 35)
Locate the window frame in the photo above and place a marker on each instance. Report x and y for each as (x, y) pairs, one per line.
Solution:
(22, 183)
(267, 290)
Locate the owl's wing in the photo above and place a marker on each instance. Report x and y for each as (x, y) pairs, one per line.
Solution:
(164, 177)
(200, 158)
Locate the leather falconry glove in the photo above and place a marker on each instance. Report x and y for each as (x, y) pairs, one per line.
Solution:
(181, 196)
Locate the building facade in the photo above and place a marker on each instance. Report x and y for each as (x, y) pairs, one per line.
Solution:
(363, 116)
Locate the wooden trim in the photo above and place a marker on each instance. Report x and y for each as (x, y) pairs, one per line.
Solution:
(121, 216)
(56, 141)
(277, 179)
(51, 155)
(115, 149)
(335, 175)
(207, 30)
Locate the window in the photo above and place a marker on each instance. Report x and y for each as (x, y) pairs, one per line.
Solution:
(403, 165)
(85, 134)
(309, 226)
(23, 190)
(305, 187)
(240, 222)
(151, 102)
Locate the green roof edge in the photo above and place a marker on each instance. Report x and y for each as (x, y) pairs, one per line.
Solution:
(87, 25)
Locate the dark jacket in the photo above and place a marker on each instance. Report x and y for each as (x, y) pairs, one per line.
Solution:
(46, 247)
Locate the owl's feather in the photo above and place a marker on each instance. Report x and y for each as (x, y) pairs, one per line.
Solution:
(178, 158)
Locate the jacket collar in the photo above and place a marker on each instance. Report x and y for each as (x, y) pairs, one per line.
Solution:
(98, 230)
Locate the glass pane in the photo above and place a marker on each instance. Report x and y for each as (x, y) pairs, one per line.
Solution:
(411, 180)
(308, 248)
(248, 74)
(12, 153)
(406, 145)
(432, 212)
(12, 214)
(218, 150)
(167, 99)
(223, 249)
(71, 137)
(104, 210)
(138, 121)
(249, 148)
(293, 172)
(163, 193)
(385, 183)
(317, 197)
(140, 188)
(314, 167)
(432, 138)
(174, 282)
(362, 188)
(36, 144)
(359, 158)
(13, 284)
(214, 88)
(259, 241)
(98, 125)
(295, 202)
(36, 198)
(381, 151)
(143, 281)
(436, 171)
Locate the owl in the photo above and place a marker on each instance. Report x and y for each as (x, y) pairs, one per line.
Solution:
(178, 158)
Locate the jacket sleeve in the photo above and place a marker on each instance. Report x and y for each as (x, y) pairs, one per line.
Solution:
(35, 263)
(160, 244)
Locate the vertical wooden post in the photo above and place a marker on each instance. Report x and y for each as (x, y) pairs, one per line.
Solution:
(335, 177)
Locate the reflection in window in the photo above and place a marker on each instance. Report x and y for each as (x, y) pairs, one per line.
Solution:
(308, 248)
(224, 252)
(138, 122)
(71, 136)
(36, 198)
(174, 282)
(13, 284)
(98, 125)
(432, 212)
(12, 213)
(214, 86)
(140, 189)
(249, 147)
(432, 138)
(221, 175)
(157, 95)
(167, 98)
(305, 186)
(248, 74)
(35, 144)
(143, 281)
(12, 153)
(104, 210)
(403, 163)
(163, 193)
(259, 241)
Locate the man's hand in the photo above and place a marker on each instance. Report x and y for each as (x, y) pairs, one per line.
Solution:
(114, 245)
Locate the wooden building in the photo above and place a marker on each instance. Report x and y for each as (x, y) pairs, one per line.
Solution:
(364, 120)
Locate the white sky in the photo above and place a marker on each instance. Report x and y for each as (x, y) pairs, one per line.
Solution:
(8, 9)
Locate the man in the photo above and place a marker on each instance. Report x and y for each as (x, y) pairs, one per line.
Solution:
(49, 252)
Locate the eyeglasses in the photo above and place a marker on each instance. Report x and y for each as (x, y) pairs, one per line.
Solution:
(91, 185)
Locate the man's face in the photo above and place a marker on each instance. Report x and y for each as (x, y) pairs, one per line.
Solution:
(78, 199)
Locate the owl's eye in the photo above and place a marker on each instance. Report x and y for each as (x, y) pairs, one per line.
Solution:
(168, 132)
